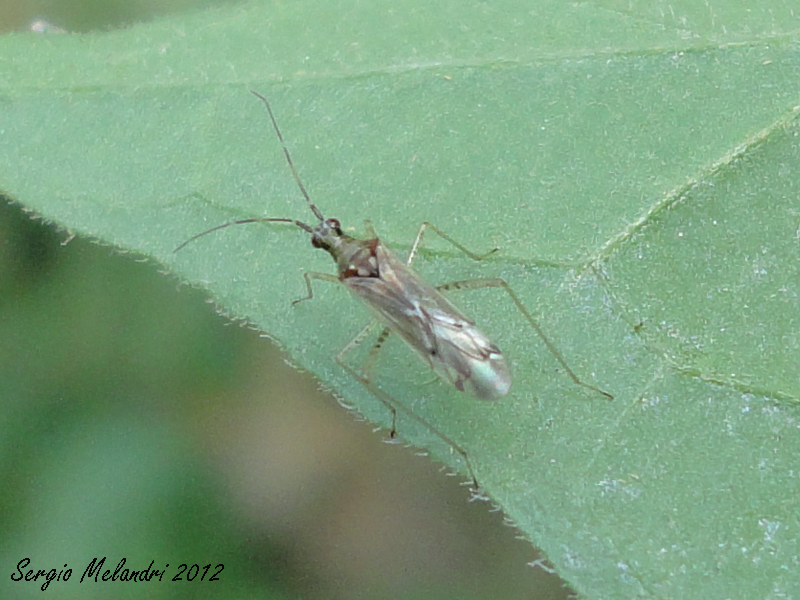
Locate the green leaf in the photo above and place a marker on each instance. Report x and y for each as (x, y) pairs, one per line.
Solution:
(635, 165)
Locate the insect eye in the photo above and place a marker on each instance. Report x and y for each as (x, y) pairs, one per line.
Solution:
(335, 223)
(316, 242)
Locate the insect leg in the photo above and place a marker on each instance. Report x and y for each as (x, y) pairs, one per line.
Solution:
(308, 276)
(370, 229)
(372, 357)
(356, 341)
(501, 283)
(418, 241)
(373, 353)
(388, 401)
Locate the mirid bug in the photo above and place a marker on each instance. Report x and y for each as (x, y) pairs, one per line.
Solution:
(447, 341)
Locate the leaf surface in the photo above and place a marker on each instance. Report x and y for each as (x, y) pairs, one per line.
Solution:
(636, 166)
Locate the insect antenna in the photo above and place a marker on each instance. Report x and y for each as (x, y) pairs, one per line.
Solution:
(300, 224)
(295, 174)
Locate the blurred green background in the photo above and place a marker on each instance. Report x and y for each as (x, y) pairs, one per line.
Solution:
(136, 422)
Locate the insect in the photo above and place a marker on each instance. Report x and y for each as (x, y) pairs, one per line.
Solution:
(450, 343)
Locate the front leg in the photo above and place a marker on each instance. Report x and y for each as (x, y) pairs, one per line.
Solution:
(418, 241)
(308, 276)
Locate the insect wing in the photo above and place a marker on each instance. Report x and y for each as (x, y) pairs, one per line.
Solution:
(450, 343)
(468, 359)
